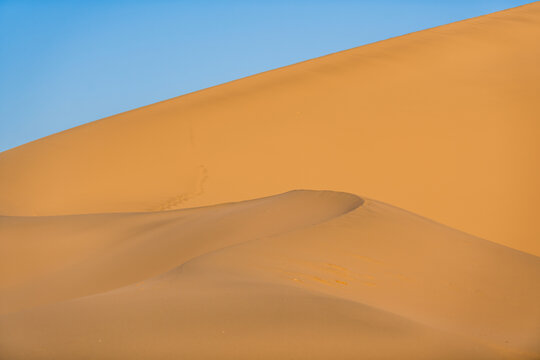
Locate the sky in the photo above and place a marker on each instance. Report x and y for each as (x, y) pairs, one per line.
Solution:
(64, 63)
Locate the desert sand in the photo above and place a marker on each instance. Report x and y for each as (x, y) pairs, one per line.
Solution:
(180, 230)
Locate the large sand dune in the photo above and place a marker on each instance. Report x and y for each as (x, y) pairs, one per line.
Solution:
(302, 275)
(442, 122)
(158, 234)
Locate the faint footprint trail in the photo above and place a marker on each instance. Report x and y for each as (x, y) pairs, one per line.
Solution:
(175, 202)
(328, 274)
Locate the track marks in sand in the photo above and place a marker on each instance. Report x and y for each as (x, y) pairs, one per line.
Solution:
(177, 201)
(327, 273)
(368, 259)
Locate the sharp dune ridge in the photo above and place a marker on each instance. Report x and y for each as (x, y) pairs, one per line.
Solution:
(158, 234)
(113, 243)
(427, 121)
(320, 260)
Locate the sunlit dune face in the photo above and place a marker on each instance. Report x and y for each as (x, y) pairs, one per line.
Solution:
(442, 122)
(253, 221)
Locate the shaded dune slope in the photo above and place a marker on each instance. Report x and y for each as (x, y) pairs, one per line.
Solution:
(56, 258)
(304, 274)
(427, 121)
(134, 237)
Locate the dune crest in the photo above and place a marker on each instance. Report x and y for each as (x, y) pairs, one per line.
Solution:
(88, 254)
(303, 275)
(158, 234)
(428, 122)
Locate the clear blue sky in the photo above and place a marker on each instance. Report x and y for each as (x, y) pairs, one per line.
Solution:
(65, 63)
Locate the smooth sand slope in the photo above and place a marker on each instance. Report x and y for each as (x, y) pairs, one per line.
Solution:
(442, 122)
(302, 275)
(158, 234)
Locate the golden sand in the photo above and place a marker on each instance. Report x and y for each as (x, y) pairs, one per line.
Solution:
(157, 233)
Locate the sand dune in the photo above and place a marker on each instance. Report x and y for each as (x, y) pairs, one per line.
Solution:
(427, 122)
(158, 234)
(301, 275)
(87, 254)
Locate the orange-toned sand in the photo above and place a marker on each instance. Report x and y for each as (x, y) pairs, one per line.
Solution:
(134, 237)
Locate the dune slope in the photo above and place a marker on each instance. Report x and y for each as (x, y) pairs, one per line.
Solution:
(47, 259)
(428, 122)
(158, 234)
(338, 278)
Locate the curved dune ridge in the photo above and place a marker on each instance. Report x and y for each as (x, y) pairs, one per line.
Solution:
(89, 254)
(427, 121)
(158, 234)
(305, 274)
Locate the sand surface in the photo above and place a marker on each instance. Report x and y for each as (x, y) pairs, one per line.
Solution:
(171, 231)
